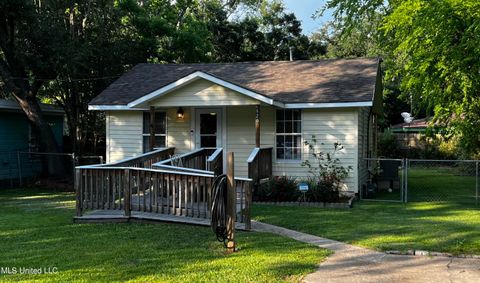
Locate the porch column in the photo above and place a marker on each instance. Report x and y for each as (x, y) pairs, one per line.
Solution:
(152, 127)
(257, 126)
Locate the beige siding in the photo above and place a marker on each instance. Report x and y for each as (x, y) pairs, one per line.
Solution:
(124, 134)
(329, 126)
(178, 131)
(241, 133)
(363, 114)
(203, 93)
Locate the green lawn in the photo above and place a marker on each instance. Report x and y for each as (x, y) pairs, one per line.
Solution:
(37, 231)
(441, 184)
(439, 227)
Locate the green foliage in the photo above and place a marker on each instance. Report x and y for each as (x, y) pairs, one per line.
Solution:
(278, 189)
(322, 192)
(388, 145)
(326, 172)
(69, 51)
(431, 49)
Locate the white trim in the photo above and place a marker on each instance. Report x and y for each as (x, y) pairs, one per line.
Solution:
(214, 154)
(252, 155)
(114, 107)
(146, 170)
(197, 75)
(220, 125)
(327, 105)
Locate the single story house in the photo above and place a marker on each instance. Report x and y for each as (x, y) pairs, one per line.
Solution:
(16, 136)
(241, 106)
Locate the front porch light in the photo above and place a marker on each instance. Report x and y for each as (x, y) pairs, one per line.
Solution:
(180, 114)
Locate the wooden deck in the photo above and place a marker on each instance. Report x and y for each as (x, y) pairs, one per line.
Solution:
(118, 216)
(131, 190)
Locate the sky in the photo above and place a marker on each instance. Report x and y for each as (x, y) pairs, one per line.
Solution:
(304, 9)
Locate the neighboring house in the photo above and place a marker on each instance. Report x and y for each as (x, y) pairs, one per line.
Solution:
(411, 135)
(216, 105)
(16, 136)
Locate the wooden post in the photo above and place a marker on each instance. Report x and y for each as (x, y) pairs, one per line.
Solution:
(78, 190)
(152, 127)
(231, 203)
(127, 194)
(257, 126)
(248, 203)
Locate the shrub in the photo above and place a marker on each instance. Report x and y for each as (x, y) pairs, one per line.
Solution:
(322, 192)
(327, 173)
(388, 145)
(278, 189)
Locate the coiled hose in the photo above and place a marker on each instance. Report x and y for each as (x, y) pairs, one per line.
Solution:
(219, 208)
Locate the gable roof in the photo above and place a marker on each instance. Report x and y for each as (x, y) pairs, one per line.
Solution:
(305, 82)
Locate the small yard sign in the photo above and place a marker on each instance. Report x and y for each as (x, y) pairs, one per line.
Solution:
(303, 187)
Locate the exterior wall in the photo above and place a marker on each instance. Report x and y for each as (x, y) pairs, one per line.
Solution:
(363, 140)
(14, 136)
(328, 126)
(203, 93)
(124, 134)
(178, 132)
(240, 133)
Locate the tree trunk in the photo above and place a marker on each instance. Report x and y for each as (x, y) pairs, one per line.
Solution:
(55, 164)
(39, 124)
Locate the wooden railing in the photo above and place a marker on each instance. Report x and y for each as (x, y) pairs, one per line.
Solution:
(202, 161)
(215, 162)
(150, 190)
(145, 160)
(260, 164)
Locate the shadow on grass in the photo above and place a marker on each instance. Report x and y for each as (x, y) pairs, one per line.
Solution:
(37, 231)
(384, 226)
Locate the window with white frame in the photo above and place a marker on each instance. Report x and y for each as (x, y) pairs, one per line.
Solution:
(289, 134)
(160, 130)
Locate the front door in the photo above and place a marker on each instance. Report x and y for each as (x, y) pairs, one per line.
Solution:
(208, 128)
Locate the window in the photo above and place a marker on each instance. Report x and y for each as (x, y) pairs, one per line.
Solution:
(289, 135)
(160, 130)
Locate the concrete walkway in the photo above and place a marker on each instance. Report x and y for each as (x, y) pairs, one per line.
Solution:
(354, 264)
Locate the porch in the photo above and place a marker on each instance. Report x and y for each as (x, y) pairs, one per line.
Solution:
(162, 186)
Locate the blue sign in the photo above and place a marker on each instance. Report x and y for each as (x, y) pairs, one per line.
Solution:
(303, 187)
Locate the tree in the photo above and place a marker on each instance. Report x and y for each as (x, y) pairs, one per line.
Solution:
(27, 34)
(433, 48)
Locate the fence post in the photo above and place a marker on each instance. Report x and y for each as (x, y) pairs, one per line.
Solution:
(476, 183)
(127, 196)
(248, 203)
(78, 190)
(231, 203)
(19, 163)
(406, 179)
(74, 164)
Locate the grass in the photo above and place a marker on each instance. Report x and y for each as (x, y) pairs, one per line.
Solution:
(441, 227)
(447, 183)
(441, 184)
(37, 231)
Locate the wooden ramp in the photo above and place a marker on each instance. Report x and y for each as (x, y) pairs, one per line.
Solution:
(118, 216)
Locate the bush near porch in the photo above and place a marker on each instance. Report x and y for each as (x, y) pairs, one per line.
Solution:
(37, 231)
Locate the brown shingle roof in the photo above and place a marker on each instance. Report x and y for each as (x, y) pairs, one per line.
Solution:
(322, 81)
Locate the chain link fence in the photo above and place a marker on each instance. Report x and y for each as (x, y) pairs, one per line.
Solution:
(385, 180)
(20, 169)
(420, 180)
